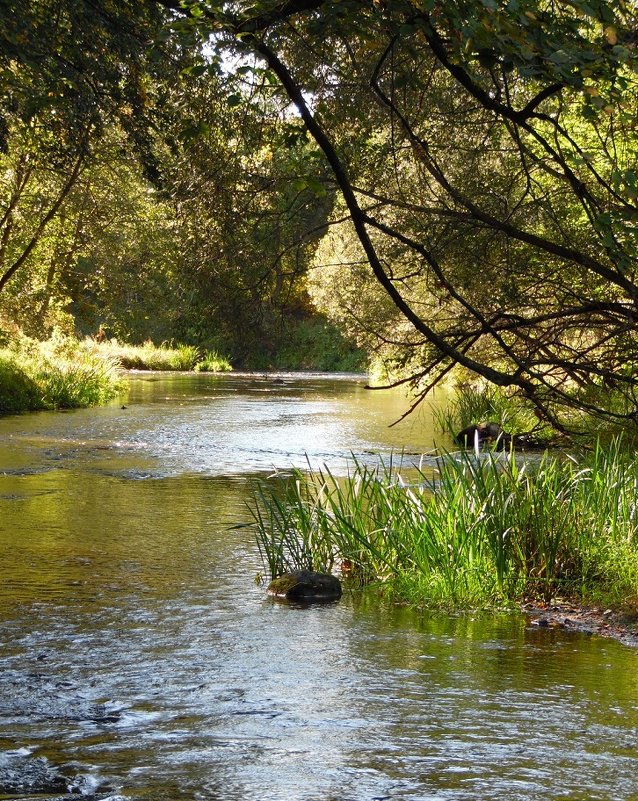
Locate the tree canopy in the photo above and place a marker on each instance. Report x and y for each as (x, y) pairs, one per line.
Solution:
(474, 161)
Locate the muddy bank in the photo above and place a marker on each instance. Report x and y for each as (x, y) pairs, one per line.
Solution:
(618, 625)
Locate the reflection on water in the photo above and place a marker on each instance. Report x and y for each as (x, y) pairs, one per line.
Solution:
(141, 661)
(221, 425)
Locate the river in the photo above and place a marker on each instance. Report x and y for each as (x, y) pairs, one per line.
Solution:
(140, 660)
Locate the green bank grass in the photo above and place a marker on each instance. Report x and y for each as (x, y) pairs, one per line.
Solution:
(37, 379)
(159, 357)
(65, 373)
(480, 533)
(212, 362)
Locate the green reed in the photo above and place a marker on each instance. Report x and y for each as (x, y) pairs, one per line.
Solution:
(482, 531)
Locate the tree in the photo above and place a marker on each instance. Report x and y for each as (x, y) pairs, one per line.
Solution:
(70, 73)
(500, 215)
(249, 207)
(68, 69)
(85, 85)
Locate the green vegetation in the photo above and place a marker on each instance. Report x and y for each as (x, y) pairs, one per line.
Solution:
(315, 344)
(462, 192)
(477, 533)
(483, 403)
(158, 357)
(64, 372)
(58, 374)
(212, 362)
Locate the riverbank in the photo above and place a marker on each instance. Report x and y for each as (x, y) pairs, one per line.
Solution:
(36, 376)
(164, 357)
(66, 373)
(621, 625)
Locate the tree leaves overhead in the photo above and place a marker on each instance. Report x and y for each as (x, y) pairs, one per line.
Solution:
(486, 155)
(70, 68)
(484, 152)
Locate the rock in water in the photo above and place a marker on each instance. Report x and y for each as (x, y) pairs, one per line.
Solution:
(306, 585)
(483, 432)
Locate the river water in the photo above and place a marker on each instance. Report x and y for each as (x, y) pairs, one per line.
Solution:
(140, 660)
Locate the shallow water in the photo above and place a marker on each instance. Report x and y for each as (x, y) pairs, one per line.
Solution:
(140, 660)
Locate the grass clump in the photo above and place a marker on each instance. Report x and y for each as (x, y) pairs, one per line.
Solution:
(148, 356)
(480, 532)
(65, 373)
(212, 362)
(18, 390)
(485, 403)
(57, 374)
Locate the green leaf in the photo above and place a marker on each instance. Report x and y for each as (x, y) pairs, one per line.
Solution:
(561, 57)
(316, 187)
(604, 219)
(195, 70)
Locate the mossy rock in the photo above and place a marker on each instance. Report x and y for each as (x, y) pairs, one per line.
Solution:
(306, 586)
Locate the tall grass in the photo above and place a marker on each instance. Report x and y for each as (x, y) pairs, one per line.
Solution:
(485, 403)
(479, 533)
(169, 357)
(147, 356)
(63, 372)
(35, 380)
(212, 362)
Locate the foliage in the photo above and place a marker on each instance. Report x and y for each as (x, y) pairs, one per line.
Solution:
(315, 344)
(57, 374)
(212, 362)
(478, 532)
(213, 252)
(105, 259)
(69, 69)
(147, 356)
(247, 217)
(485, 154)
(475, 162)
(471, 404)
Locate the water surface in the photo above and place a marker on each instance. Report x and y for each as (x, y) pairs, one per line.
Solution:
(140, 660)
